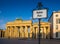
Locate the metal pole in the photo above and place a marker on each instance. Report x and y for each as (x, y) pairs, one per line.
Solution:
(39, 31)
(39, 7)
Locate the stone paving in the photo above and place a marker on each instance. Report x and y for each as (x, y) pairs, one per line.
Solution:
(29, 41)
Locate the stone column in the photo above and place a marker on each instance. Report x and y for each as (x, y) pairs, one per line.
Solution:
(31, 31)
(44, 32)
(41, 32)
(2, 33)
(34, 32)
(16, 33)
(7, 32)
(11, 32)
(19, 31)
(26, 32)
(37, 32)
(22, 34)
(49, 30)
(48, 34)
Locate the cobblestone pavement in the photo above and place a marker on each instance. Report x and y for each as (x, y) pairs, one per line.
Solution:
(29, 41)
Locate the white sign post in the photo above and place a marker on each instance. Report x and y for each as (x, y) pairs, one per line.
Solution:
(40, 13)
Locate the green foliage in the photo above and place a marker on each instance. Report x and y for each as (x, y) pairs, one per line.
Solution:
(18, 18)
(1, 29)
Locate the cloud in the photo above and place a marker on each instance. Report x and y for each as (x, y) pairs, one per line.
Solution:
(2, 26)
(1, 20)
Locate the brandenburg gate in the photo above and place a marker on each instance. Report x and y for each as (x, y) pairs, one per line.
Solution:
(26, 29)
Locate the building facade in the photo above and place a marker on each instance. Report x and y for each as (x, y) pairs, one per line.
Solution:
(55, 24)
(26, 29)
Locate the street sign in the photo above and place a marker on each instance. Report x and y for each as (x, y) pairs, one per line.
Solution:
(40, 13)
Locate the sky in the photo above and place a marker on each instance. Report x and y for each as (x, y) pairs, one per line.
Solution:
(12, 9)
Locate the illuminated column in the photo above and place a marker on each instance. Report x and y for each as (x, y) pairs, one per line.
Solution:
(48, 29)
(6, 33)
(47, 32)
(11, 31)
(37, 32)
(31, 31)
(22, 34)
(34, 32)
(19, 32)
(44, 32)
(26, 32)
(41, 32)
(16, 33)
(23, 31)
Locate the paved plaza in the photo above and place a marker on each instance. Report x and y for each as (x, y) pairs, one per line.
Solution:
(29, 41)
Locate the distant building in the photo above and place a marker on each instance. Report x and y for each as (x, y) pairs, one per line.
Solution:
(2, 33)
(26, 29)
(55, 24)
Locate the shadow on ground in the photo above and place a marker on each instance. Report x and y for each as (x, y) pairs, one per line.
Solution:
(29, 41)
